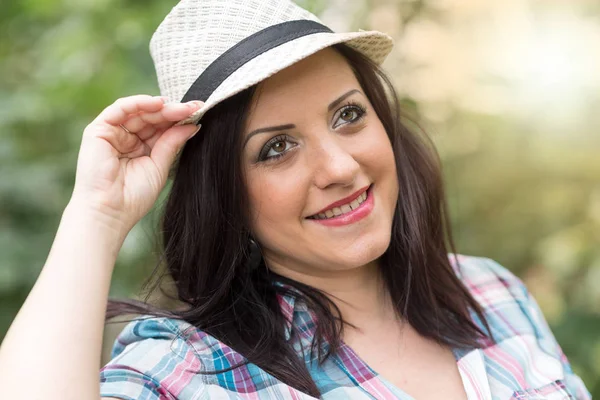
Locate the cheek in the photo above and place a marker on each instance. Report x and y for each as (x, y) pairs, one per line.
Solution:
(380, 163)
(275, 200)
(377, 153)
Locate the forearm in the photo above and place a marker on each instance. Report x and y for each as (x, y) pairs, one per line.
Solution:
(52, 349)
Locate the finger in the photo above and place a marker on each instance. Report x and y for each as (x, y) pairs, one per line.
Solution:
(106, 125)
(151, 141)
(168, 145)
(170, 112)
(142, 150)
(120, 111)
(150, 130)
(152, 133)
(123, 142)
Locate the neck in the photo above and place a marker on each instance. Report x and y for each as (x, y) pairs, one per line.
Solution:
(359, 293)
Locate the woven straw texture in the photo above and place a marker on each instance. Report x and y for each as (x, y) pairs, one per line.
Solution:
(196, 32)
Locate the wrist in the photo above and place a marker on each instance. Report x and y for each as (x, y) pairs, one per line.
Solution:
(79, 213)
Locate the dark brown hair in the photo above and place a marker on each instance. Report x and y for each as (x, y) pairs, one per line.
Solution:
(205, 245)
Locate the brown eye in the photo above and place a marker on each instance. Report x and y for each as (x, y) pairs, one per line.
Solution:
(348, 115)
(276, 147)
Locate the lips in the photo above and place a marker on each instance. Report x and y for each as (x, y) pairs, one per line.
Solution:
(345, 201)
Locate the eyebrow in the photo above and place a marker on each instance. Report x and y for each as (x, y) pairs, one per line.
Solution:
(341, 98)
(269, 129)
(291, 126)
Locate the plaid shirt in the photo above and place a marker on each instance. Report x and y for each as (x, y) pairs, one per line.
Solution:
(157, 358)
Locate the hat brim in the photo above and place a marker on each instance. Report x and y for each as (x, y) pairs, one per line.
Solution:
(375, 45)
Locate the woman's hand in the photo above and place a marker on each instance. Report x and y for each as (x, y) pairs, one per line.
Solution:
(120, 174)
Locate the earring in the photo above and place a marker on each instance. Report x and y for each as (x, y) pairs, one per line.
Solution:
(255, 256)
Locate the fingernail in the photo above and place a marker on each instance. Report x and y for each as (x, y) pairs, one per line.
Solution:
(196, 131)
(195, 104)
(164, 99)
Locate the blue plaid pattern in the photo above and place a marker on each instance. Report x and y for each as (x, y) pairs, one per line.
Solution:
(160, 358)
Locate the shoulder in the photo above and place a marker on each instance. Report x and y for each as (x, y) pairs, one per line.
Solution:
(148, 345)
(478, 270)
(154, 337)
(164, 358)
(520, 332)
(148, 328)
(487, 280)
(509, 308)
(146, 359)
(159, 357)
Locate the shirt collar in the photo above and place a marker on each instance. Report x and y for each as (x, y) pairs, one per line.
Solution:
(295, 311)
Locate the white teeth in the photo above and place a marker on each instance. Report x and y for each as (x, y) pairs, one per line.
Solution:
(334, 212)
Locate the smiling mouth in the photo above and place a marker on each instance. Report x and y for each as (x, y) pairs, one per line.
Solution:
(343, 209)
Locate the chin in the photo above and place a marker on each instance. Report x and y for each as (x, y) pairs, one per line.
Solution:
(360, 253)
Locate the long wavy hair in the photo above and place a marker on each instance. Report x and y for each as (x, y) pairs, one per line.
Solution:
(205, 246)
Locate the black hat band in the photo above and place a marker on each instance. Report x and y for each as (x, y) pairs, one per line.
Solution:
(244, 51)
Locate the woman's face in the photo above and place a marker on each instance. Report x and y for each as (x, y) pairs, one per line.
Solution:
(313, 138)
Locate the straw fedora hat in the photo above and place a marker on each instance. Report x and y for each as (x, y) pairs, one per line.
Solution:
(209, 50)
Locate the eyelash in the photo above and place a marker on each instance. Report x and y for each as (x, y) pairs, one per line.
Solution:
(350, 105)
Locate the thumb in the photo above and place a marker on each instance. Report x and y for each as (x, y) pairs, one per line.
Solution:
(168, 145)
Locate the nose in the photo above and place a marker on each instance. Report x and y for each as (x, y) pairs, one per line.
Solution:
(333, 164)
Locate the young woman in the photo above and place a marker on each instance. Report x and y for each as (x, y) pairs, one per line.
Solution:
(306, 235)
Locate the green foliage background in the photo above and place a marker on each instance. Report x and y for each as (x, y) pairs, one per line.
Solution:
(521, 191)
